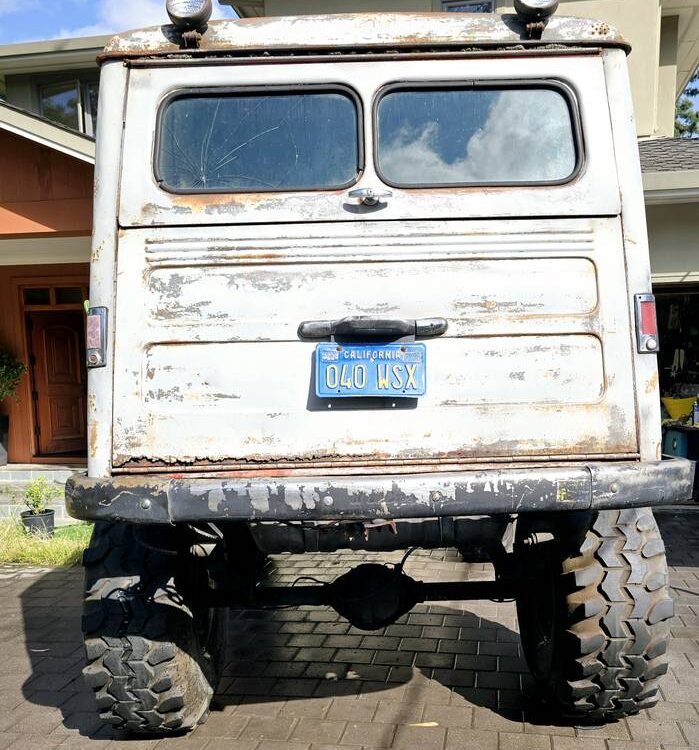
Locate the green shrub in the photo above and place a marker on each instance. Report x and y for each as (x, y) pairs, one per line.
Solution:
(11, 371)
(40, 493)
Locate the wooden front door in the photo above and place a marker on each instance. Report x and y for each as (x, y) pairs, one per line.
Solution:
(58, 363)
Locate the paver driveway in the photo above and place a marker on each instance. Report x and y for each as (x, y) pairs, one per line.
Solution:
(445, 677)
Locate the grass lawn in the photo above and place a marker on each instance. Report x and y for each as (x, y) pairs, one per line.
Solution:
(65, 548)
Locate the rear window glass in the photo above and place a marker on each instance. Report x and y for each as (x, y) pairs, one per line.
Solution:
(251, 142)
(476, 135)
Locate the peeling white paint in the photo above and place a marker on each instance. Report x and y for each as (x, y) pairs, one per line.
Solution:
(537, 360)
(259, 497)
(363, 31)
(215, 498)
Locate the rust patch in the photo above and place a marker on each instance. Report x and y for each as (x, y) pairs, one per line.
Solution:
(652, 384)
(92, 440)
(359, 31)
(258, 467)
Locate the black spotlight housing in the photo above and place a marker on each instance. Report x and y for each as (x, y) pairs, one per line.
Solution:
(189, 15)
(536, 10)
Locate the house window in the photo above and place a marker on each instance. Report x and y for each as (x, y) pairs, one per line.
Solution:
(60, 102)
(72, 104)
(91, 91)
(467, 6)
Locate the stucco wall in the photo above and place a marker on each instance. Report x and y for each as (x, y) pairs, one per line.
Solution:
(674, 244)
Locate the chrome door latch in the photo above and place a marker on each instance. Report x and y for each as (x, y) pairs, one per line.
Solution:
(368, 196)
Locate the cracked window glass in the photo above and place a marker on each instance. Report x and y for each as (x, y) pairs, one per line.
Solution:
(476, 136)
(259, 142)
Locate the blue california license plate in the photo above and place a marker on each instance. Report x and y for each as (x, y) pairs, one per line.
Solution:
(392, 370)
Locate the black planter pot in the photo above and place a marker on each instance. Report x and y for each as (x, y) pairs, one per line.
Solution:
(38, 523)
(4, 438)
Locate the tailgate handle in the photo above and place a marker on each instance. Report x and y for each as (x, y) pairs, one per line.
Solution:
(372, 328)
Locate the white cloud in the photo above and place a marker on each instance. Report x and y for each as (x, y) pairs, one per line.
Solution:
(114, 16)
(526, 137)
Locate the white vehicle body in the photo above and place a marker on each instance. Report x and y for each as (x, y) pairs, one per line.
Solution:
(204, 373)
(447, 340)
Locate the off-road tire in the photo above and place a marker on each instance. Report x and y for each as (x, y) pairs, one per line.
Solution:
(594, 610)
(151, 662)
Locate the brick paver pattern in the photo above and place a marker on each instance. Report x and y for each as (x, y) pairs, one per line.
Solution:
(447, 677)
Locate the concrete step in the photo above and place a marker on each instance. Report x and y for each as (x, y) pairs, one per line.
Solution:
(23, 473)
(13, 492)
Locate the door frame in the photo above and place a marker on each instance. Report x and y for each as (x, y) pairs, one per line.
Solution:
(20, 283)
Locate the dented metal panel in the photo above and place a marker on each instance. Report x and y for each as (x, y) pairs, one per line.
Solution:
(592, 192)
(506, 490)
(363, 31)
(535, 360)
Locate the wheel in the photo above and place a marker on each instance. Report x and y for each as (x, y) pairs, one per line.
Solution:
(594, 610)
(152, 658)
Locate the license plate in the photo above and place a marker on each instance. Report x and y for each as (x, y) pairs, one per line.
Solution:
(391, 370)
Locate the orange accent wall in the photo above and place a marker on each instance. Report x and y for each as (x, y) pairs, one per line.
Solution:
(42, 192)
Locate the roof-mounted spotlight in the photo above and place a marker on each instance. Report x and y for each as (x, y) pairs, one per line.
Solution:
(536, 10)
(189, 15)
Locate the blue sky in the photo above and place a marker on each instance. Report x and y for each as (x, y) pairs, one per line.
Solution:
(24, 20)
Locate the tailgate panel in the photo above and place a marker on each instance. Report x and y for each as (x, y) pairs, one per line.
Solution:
(536, 360)
(467, 292)
(275, 377)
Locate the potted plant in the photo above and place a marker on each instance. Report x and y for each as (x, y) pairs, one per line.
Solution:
(39, 519)
(11, 371)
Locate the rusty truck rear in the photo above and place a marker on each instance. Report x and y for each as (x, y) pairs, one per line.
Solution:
(367, 271)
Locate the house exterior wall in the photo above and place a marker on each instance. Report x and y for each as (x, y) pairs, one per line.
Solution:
(45, 218)
(674, 242)
(42, 192)
(667, 76)
(20, 92)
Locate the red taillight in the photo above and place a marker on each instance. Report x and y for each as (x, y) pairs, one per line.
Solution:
(649, 325)
(96, 337)
(646, 324)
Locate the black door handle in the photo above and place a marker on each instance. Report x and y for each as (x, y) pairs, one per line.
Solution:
(372, 328)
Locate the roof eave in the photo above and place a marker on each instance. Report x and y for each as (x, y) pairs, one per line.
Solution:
(41, 131)
(55, 54)
(663, 188)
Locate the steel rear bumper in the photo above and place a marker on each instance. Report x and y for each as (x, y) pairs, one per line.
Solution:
(163, 499)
